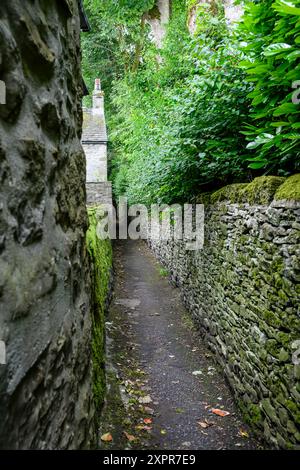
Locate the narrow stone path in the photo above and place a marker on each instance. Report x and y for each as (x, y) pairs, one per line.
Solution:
(163, 381)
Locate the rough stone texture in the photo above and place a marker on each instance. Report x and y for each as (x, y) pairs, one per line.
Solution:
(99, 193)
(45, 321)
(243, 290)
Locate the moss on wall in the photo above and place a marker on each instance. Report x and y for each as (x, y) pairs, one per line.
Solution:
(262, 191)
(231, 193)
(101, 257)
(290, 189)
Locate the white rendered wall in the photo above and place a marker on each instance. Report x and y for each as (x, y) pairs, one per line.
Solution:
(96, 162)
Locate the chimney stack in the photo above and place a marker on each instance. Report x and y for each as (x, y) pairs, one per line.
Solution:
(98, 99)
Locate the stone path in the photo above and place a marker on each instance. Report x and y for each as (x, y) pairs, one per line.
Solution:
(162, 380)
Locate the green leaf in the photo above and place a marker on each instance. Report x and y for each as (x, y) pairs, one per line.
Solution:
(260, 69)
(286, 7)
(253, 145)
(293, 56)
(274, 49)
(285, 108)
(292, 136)
(257, 165)
(280, 124)
(260, 140)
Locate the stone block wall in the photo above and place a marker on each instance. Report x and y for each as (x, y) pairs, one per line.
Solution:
(99, 193)
(45, 305)
(243, 291)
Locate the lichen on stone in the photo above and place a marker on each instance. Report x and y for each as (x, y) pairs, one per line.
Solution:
(290, 189)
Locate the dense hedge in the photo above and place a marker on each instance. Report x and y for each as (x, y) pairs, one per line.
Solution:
(207, 109)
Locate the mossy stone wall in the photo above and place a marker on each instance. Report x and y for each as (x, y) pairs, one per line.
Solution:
(243, 291)
(100, 252)
(45, 310)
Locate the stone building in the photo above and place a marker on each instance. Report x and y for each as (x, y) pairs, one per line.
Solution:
(94, 142)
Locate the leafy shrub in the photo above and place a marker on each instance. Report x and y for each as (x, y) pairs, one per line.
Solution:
(272, 32)
(177, 124)
(207, 109)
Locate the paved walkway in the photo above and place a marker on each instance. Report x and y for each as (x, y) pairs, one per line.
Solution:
(163, 381)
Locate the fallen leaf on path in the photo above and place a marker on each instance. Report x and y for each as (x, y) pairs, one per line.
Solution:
(130, 437)
(107, 437)
(197, 372)
(186, 444)
(147, 420)
(218, 412)
(145, 400)
(205, 424)
(148, 410)
(141, 427)
(243, 433)
(163, 432)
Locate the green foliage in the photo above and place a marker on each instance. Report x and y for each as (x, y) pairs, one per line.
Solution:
(205, 110)
(272, 32)
(183, 129)
(116, 39)
(163, 272)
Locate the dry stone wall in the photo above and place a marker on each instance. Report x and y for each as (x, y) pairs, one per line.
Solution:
(45, 313)
(243, 291)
